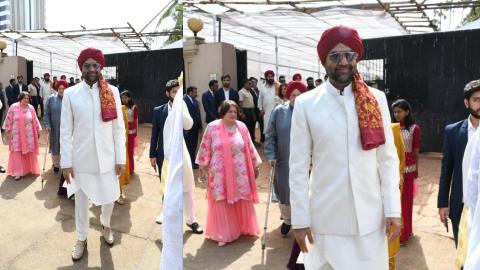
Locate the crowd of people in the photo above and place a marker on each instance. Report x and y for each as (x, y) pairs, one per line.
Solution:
(322, 139)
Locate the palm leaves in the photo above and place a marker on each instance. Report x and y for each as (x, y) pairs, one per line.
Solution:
(175, 12)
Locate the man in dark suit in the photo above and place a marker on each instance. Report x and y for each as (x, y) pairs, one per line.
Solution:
(12, 96)
(255, 92)
(19, 87)
(225, 92)
(208, 101)
(191, 135)
(456, 136)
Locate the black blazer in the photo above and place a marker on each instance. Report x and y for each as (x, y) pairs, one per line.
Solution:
(12, 94)
(194, 111)
(451, 181)
(220, 96)
(211, 110)
(160, 114)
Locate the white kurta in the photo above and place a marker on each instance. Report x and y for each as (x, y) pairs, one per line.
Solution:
(188, 178)
(91, 146)
(350, 191)
(266, 101)
(46, 90)
(472, 202)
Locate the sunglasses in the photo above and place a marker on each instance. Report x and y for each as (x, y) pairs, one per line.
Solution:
(336, 57)
(95, 66)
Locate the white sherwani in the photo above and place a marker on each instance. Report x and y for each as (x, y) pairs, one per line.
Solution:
(91, 146)
(350, 191)
(46, 90)
(188, 178)
(472, 201)
(266, 101)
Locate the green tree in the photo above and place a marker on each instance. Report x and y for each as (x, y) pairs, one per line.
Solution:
(472, 16)
(175, 12)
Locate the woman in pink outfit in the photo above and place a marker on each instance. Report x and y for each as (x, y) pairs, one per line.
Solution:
(229, 160)
(22, 129)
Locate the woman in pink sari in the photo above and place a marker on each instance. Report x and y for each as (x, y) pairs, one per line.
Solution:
(22, 129)
(228, 158)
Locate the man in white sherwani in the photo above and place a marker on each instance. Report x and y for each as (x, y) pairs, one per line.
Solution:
(188, 178)
(266, 97)
(46, 90)
(92, 146)
(350, 202)
(160, 151)
(471, 190)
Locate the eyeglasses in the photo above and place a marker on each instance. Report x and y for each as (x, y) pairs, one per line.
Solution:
(336, 57)
(90, 65)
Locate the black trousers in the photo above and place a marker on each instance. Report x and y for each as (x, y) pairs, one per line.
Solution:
(191, 140)
(249, 121)
(35, 100)
(40, 101)
(260, 123)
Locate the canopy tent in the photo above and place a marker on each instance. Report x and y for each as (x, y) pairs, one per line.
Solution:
(56, 51)
(293, 28)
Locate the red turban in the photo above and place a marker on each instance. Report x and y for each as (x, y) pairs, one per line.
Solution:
(93, 53)
(297, 75)
(269, 72)
(63, 83)
(300, 86)
(46, 75)
(63, 77)
(339, 34)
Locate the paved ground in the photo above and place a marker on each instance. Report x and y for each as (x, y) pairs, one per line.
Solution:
(38, 227)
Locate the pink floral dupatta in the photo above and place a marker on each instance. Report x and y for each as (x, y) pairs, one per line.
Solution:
(230, 183)
(23, 131)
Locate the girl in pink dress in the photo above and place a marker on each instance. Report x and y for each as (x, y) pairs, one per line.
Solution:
(22, 129)
(228, 158)
(402, 113)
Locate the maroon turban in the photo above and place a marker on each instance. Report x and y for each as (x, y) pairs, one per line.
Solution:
(46, 75)
(63, 83)
(300, 86)
(63, 77)
(269, 72)
(297, 75)
(339, 34)
(93, 53)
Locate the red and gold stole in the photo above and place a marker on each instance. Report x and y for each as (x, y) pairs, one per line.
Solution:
(369, 115)
(107, 101)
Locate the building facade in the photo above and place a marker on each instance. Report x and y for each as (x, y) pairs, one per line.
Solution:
(22, 14)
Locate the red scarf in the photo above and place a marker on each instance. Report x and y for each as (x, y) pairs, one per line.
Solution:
(107, 100)
(370, 122)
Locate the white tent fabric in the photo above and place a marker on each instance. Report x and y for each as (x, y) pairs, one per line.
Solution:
(297, 33)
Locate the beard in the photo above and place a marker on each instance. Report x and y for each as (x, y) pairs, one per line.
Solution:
(341, 78)
(270, 81)
(475, 114)
(91, 77)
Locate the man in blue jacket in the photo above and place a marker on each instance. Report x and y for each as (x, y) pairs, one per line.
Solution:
(208, 101)
(456, 136)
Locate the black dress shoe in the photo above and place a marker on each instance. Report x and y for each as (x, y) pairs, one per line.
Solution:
(195, 228)
(195, 167)
(2, 170)
(56, 169)
(285, 229)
